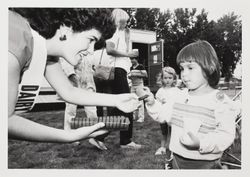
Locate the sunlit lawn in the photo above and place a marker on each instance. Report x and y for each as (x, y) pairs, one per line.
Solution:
(22, 154)
(49, 155)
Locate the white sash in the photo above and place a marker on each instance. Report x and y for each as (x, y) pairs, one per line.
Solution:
(32, 77)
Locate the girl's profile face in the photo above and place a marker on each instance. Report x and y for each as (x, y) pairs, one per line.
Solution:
(80, 44)
(167, 79)
(192, 76)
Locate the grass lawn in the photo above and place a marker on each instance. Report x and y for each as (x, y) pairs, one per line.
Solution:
(23, 154)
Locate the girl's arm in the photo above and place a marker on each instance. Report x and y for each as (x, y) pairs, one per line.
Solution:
(21, 128)
(156, 110)
(78, 96)
(160, 112)
(223, 136)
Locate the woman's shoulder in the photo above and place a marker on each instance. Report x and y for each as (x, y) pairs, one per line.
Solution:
(20, 39)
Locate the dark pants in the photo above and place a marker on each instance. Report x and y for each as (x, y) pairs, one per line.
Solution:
(120, 85)
(180, 162)
(117, 86)
(103, 86)
(165, 129)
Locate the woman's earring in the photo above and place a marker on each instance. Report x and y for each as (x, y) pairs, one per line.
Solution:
(63, 38)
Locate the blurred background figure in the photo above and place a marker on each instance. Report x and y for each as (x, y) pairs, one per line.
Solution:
(137, 74)
(119, 49)
(81, 76)
(168, 91)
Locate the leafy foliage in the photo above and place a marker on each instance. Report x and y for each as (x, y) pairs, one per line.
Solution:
(183, 26)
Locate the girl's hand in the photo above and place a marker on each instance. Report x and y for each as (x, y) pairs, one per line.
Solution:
(87, 132)
(190, 141)
(127, 102)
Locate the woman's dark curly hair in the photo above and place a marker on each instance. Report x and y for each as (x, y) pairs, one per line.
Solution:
(47, 20)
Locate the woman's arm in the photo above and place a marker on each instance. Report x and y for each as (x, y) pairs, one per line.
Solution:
(21, 128)
(13, 82)
(110, 48)
(78, 96)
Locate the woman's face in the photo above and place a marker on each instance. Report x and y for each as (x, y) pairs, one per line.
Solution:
(80, 44)
(122, 24)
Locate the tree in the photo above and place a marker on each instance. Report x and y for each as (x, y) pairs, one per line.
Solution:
(183, 26)
(229, 28)
(146, 18)
(178, 35)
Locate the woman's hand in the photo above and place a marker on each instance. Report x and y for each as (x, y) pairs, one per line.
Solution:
(132, 54)
(87, 132)
(190, 141)
(150, 99)
(127, 102)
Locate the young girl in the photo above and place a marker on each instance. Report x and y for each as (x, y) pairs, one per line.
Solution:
(202, 118)
(168, 90)
(34, 34)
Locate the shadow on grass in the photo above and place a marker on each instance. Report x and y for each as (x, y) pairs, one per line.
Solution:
(22, 154)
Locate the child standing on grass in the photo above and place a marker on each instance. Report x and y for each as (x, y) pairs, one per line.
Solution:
(168, 79)
(136, 75)
(202, 118)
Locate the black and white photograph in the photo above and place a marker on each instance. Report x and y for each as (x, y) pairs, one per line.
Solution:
(135, 86)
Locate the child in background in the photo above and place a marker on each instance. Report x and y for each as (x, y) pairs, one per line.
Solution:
(81, 76)
(202, 118)
(167, 91)
(136, 75)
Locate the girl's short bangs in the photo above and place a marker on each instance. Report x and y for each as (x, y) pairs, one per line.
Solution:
(192, 53)
(185, 56)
